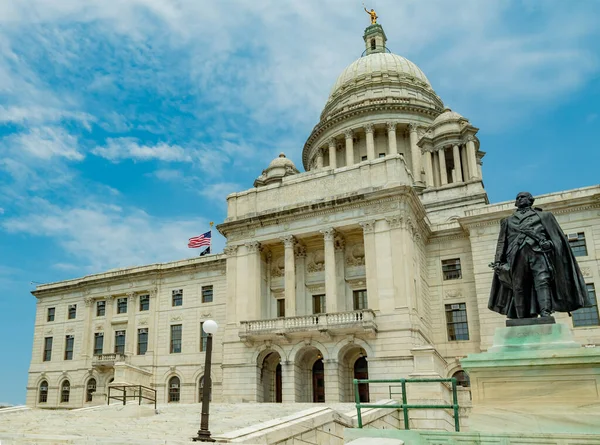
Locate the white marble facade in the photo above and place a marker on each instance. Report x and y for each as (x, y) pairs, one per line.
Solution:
(328, 274)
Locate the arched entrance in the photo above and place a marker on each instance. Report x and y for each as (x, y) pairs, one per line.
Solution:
(270, 388)
(309, 376)
(353, 365)
(318, 378)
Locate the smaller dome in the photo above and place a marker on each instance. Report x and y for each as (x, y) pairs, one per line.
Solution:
(276, 171)
(447, 116)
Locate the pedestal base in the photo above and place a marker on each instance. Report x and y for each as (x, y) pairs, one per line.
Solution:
(529, 321)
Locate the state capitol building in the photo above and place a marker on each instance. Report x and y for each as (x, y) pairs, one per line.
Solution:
(373, 262)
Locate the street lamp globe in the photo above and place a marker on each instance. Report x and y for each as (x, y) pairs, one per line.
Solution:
(210, 326)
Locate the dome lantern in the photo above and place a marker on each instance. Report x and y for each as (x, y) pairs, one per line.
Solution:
(375, 39)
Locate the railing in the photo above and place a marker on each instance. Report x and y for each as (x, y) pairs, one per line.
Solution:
(363, 317)
(104, 359)
(405, 406)
(136, 394)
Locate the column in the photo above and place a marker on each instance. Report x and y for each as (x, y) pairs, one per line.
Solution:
(301, 308)
(88, 329)
(288, 388)
(339, 244)
(330, 279)
(370, 142)
(371, 264)
(443, 171)
(153, 320)
(473, 174)
(131, 333)
(428, 169)
(332, 381)
(253, 281)
(332, 156)
(319, 158)
(457, 165)
(392, 145)
(289, 243)
(231, 268)
(109, 333)
(349, 134)
(415, 152)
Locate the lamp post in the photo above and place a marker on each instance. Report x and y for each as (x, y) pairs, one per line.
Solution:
(210, 327)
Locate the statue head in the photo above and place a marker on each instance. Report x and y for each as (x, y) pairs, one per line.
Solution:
(524, 199)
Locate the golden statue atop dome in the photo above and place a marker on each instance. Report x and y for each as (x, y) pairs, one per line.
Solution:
(372, 14)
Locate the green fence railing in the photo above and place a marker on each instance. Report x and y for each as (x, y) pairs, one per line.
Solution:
(405, 406)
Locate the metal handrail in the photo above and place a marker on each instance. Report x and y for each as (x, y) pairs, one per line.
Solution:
(405, 406)
(123, 398)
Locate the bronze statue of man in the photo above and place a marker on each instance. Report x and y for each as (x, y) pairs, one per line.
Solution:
(372, 14)
(535, 271)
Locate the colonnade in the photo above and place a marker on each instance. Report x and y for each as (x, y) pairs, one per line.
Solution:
(464, 161)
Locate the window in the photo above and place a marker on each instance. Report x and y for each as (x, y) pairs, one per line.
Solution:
(587, 316)
(47, 349)
(363, 158)
(100, 308)
(178, 297)
(360, 299)
(203, 338)
(382, 155)
(142, 341)
(174, 385)
(69, 341)
(451, 269)
(72, 311)
(65, 391)
(43, 396)
(318, 304)
(98, 343)
(577, 243)
(90, 390)
(119, 342)
(207, 294)
(281, 307)
(456, 322)
(51, 312)
(175, 339)
(462, 379)
(144, 302)
(122, 305)
(372, 43)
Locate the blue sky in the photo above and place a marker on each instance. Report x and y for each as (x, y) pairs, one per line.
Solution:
(125, 123)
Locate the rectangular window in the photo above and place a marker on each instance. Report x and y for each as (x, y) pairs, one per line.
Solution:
(175, 339)
(577, 243)
(203, 338)
(382, 155)
(144, 302)
(69, 342)
(47, 349)
(456, 322)
(119, 342)
(72, 312)
(281, 307)
(142, 341)
(587, 316)
(98, 343)
(360, 299)
(363, 158)
(319, 304)
(451, 269)
(51, 312)
(207, 294)
(100, 308)
(178, 297)
(122, 305)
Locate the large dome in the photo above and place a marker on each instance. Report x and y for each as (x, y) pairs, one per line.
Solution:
(379, 64)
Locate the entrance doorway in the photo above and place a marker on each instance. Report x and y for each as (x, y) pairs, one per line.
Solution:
(270, 384)
(278, 387)
(318, 374)
(361, 372)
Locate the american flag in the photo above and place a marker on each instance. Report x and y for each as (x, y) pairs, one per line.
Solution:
(199, 241)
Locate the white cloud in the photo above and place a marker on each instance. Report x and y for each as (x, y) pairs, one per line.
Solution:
(45, 143)
(218, 191)
(129, 148)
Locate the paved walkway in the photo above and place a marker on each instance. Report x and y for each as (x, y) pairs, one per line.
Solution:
(131, 422)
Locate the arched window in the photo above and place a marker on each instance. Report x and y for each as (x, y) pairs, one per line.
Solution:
(174, 389)
(65, 391)
(462, 379)
(43, 397)
(201, 390)
(90, 390)
(373, 45)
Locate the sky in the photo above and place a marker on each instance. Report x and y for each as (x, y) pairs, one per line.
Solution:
(124, 124)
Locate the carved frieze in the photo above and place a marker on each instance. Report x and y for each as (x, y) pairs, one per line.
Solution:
(143, 322)
(278, 269)
(453, 293)
(177, 318)
(355, 255)
(316, 261)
